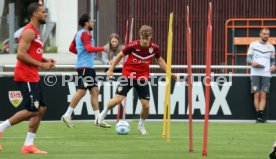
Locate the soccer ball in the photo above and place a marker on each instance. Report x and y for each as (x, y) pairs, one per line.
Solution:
(122, 127)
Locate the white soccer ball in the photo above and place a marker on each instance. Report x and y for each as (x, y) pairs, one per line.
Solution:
(122, 127)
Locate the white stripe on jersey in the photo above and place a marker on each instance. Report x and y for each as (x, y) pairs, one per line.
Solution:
(141, 57)
(38, 41)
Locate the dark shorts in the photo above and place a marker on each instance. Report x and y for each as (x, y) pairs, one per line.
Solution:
(142, 88)
(116, 70)
(32, 95)
(87, 78)
(260, 83)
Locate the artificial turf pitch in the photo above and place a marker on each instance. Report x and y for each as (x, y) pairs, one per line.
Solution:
(87, 141)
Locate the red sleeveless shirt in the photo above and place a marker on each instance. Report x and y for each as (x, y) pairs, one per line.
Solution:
(28, 73)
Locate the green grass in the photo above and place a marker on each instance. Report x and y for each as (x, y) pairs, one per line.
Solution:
(86, 141)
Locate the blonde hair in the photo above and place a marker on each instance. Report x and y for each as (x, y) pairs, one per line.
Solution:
(145, 31)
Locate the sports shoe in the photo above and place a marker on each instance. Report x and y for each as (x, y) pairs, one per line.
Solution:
(260, 120)
(67, 121)
(32, 149)
(272, 155)
(1, 148)
(104, 125)
(100, 122)
(142, 130)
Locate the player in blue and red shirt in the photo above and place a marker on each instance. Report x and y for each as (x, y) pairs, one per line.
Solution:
(136, 71)
(29, 55)
(83, 46)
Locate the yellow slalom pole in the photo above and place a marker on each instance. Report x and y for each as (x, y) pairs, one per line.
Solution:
(164, 128)
(169, 63)
(167, 108)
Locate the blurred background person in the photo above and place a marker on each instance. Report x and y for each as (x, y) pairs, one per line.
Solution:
(261, 57)
(112, 49)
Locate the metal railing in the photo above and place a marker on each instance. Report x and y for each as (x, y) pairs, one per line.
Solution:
(152, 66)
(10, 68)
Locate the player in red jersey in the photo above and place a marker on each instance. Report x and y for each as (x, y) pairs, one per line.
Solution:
(26, 75)
(136, 71)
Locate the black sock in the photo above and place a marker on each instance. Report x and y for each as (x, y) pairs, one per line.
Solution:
(260, 114)
(272, 155)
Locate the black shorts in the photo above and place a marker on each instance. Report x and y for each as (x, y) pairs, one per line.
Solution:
(260, 83)
(32, 95)
(116, 70)
(142, 88)
(86, 78)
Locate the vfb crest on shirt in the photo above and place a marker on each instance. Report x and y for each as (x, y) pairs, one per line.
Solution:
(15, 98)
(150, 50)
(120, 88)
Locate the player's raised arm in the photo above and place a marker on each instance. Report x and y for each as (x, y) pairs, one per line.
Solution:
(162, 65)
(86, 39)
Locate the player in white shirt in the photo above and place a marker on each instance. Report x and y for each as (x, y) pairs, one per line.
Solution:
(261, 57)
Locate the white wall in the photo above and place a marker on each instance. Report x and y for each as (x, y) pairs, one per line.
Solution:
(2, 2)
(65, 14)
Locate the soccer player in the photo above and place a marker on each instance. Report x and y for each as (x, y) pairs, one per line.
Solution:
(26, 76)
(83, 46)
(261, 57)
(136, 70)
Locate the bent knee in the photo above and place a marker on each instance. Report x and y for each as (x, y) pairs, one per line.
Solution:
(146, 106)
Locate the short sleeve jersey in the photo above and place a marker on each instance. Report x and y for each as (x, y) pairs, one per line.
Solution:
(139, 60)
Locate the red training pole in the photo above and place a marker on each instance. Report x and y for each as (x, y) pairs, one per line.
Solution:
(126, 35)
(208, 79)
(130, 40)
(190, 82)
(131, 30)
(119, 105)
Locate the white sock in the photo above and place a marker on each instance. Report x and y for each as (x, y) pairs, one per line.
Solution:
(4, 125)
(69, 112)
(141, 122)
(104, 112)
(97, 112)
(29, 139)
